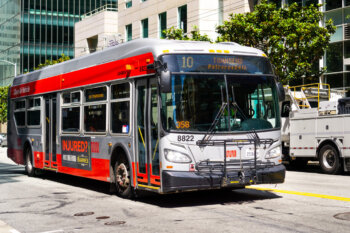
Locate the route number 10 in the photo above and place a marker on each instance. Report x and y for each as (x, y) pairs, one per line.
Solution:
(187, 62)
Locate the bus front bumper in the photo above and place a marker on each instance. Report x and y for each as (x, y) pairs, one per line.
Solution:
(173, 181)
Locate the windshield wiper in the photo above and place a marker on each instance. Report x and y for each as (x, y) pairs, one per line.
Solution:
(209, 133)
(235, 105)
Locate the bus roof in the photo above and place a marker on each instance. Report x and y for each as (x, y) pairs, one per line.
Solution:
(134, 48)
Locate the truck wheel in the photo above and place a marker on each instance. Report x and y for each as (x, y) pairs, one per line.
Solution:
(122, 179)
(29, 163)
(329, 160)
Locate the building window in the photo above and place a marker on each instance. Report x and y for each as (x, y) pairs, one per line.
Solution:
(128, 32)
(334, 80)
(128, 3)
(120, 108)
(182, 12)
(299, 2)
(334, 57)
(144, 24)
(333, 4)
(92, 43)
(309, 2)
(162, 24)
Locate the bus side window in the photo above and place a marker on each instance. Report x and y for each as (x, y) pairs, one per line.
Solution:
(95, 108)
(33, 112)
(120, 108)
(20, 112)
(70, 112)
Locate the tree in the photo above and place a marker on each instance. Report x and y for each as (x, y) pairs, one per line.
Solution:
(178, 34)
(3, 104)
(52, 62)
(291, 37)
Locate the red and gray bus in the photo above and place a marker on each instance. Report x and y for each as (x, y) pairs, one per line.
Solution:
(157, 115)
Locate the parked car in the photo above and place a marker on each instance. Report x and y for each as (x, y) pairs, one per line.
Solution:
(3, 139)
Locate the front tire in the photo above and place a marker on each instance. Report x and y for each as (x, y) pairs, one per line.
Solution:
(329, 160)
(122, 179)
(29, 162)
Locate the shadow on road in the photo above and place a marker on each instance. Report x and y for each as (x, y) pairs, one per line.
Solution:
(210, 197)
(196, 198)
(311, 167)
(9, 172)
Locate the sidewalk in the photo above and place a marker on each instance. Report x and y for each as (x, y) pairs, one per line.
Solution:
(4, 228)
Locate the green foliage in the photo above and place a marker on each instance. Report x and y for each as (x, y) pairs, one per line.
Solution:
(3, 104)
(178, 34)
(291, 37)
(52, 62)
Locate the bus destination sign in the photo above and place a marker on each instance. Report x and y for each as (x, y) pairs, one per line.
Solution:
(218, 63)
(76, 152)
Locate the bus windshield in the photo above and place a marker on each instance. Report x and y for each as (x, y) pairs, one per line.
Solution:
(196, 99)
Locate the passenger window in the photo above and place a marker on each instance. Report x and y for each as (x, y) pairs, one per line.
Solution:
(95, 111)
(71, 119)
(120, 108)
(20, 112)
(71, 112)
(33, 113)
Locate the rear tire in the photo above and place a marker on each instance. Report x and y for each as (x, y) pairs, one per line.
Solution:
(29, 162)
(122, 179)
(329, 160)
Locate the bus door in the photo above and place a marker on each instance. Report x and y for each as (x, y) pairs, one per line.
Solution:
(147, 157)
(50, 131)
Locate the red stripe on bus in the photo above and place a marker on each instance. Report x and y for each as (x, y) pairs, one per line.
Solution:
(39, 159)
(91, 75)
(15, 155)
(155, 180)
(133, 173)
(99, 169)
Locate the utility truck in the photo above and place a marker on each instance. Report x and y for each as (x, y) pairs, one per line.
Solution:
(316, 126)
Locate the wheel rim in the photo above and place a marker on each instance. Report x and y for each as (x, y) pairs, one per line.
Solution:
(122, 177)
(328, 158)
(29, 163)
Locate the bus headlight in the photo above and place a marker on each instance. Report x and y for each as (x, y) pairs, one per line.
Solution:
(176, 157)
(274, 153)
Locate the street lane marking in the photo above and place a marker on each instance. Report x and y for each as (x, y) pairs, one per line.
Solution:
(301, 193)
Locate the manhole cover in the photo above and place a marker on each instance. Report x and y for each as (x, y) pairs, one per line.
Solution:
(115, 223)
(84, 214)
(343, 216)
(102, 217)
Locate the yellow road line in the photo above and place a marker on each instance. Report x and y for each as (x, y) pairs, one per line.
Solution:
(301, 193)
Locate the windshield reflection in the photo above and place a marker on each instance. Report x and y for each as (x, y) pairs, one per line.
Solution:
(195, 101)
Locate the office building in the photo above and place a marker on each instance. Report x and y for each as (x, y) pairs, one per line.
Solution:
(33, 31)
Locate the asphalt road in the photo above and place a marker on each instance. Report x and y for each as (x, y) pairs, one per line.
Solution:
(307, 202)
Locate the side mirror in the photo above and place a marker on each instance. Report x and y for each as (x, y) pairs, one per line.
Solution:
(280, 92)
(165, 81)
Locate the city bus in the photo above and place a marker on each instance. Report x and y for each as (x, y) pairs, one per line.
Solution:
(158, 115)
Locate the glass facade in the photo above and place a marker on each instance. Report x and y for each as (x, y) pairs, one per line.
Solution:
(47, 28)
(337, 57)
(37, 30)
(10, 23)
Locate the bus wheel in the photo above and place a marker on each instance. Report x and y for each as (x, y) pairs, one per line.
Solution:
(29, 163)
(329, 160)
(122, 179)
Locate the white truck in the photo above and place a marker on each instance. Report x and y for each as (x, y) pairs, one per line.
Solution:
(316, 126)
